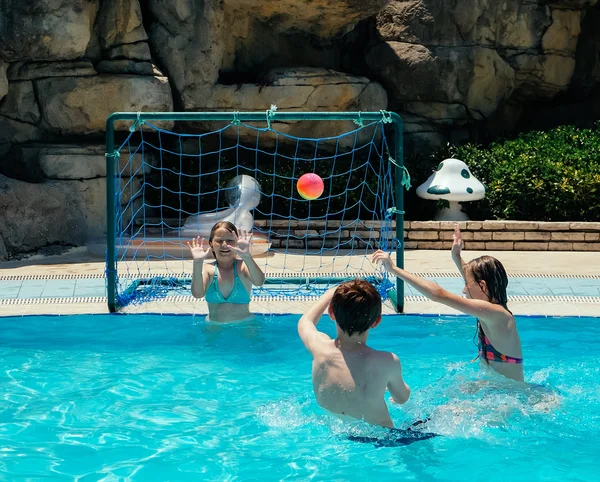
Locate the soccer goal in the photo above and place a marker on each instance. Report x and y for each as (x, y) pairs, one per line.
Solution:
(172, 176)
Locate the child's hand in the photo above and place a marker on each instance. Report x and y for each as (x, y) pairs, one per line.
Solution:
(243, 244)
(383, 258)
(197, 249)
(458, 244)
(329, 293)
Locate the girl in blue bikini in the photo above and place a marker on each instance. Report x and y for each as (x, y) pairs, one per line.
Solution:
(486, 299)
(227, 283)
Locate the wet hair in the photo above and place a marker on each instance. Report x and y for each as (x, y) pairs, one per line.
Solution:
(356, 305)
(490, 270)
(222, 224)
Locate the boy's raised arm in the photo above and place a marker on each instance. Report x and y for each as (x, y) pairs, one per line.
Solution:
(398, 388)
(307, 325)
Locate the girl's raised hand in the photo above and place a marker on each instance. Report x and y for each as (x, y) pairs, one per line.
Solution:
(383, 258)
(458, 243)
(243, 244)
(199, 253)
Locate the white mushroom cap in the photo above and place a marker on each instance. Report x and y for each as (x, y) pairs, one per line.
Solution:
(452, 181)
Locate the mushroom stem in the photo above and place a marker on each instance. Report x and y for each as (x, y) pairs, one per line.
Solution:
(452, 213)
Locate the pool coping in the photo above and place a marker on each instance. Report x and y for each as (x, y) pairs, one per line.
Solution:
(425, 263)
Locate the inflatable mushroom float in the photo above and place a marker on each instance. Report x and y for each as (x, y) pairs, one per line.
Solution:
(453, 182)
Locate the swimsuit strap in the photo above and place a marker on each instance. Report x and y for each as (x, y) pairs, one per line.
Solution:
(238, 294)
(213, 293)
(487, 351)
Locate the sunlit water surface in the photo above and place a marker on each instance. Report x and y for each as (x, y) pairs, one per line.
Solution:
(149, 397)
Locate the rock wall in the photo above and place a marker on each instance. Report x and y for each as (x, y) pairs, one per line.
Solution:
(452, 66)
(454, 69)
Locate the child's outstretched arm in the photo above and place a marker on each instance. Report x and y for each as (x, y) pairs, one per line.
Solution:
(199, 254)
(307, 325)
(430, 289)
(478, 308)
(253, 271)
(457, 247)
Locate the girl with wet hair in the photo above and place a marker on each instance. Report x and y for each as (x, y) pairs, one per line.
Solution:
(227, 284)
(484, 298)
(497, 337)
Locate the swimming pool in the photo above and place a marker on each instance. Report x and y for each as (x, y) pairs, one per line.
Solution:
(154, 397)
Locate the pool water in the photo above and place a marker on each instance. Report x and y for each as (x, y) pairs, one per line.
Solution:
(150, 397)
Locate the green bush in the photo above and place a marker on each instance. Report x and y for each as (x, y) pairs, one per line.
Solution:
(540, 176)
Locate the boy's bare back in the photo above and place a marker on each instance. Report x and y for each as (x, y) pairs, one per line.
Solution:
(353, 382)
(349, 378)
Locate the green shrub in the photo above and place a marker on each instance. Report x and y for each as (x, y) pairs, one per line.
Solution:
(540, 176)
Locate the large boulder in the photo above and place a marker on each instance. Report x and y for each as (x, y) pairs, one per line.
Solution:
(80, 105)
(191, 40)
(538, 41)
(46, 29)
(454, 63)
(322, 18)
(35, 215)
(459, 23)
(14, 131)
(61, 177)
(302, 89)
(120, 22)
(70, 162)
(542, 76)
(443, 84)
(20, 103)
(196, 42)
(54, 212)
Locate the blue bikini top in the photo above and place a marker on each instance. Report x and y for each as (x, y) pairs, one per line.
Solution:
(239, 294)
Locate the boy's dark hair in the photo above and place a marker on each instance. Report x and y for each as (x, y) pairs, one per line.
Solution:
(356, 305)
(222, 224)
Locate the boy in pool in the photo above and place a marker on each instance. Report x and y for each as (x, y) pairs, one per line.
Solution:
(227, 283)
(349, 378)
(485, 298)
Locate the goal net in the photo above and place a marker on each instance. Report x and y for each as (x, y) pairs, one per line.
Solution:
(174, 175)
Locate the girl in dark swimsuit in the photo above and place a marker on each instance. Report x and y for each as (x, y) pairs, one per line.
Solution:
(485, 299)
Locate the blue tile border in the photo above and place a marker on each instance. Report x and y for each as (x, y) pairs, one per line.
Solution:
(71, 286)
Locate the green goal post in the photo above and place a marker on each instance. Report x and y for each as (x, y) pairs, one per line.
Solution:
(269, 116)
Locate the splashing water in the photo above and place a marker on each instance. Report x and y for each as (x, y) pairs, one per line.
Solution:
(174, 398)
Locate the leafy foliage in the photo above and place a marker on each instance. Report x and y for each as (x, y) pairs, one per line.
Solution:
(539, 176)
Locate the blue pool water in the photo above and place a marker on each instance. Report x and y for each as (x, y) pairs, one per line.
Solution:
(173, 398)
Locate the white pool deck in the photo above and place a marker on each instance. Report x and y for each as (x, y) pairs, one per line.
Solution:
(79, 263)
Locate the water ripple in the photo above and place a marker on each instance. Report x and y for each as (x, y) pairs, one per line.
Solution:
(172, 398)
